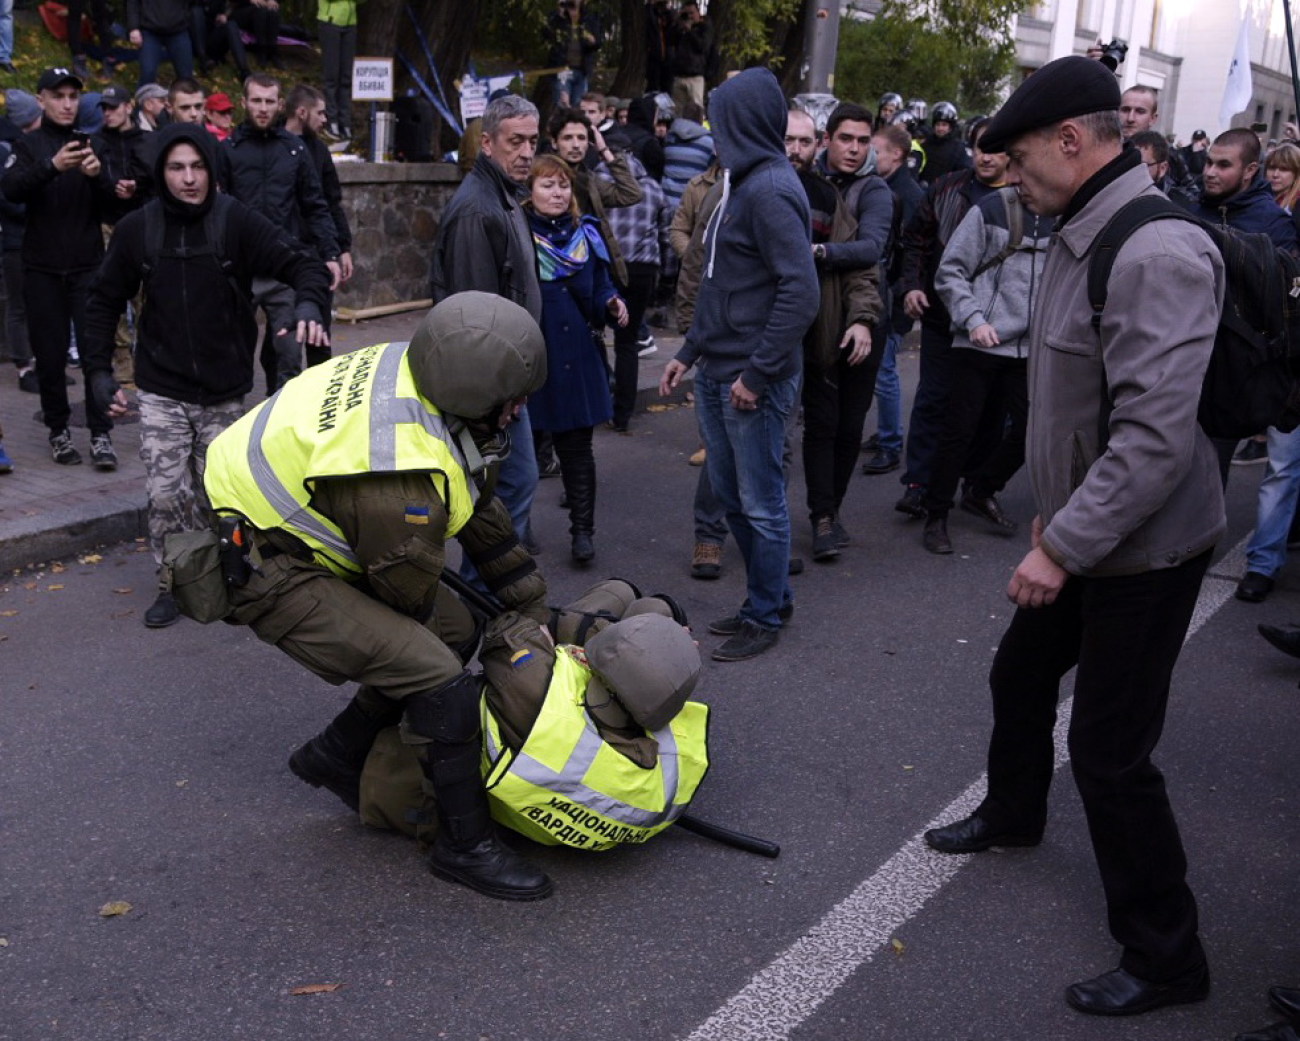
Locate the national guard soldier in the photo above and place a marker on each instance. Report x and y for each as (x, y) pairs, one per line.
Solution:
(342, 490)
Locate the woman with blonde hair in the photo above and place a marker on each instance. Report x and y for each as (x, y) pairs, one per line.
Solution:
(577, 291)
(1283, 173)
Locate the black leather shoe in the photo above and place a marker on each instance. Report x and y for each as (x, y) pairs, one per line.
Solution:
(162, 612)
(1286, 638)
(973, 835)
(935, 537)
(913, 501)
(490, 868)
(1254, 587)
(1275, 1032)
(1286, 1000)
(730, 625)
(1120, 993)
(991, 510)
(749, 642)
(882, 462)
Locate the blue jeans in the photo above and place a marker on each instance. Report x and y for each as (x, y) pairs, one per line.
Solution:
(744, 460)
(516, 485)
(1266, 551)
(575, 88)
(174, 45)
(889, 398)
(6, 30)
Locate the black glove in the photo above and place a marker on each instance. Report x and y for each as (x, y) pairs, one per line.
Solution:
(103, 388)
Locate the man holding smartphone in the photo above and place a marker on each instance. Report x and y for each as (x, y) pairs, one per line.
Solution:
(56, 172)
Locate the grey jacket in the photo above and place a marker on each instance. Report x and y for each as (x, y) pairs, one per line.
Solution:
(484, 242)
(1150, 496)
(1003, 295)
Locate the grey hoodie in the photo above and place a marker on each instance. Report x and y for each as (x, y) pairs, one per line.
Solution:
(760, 292)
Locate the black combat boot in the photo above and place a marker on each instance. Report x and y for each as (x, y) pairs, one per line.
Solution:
(334, 758)
(466, 849)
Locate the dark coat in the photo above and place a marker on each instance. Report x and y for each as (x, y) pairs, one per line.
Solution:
(1252, 209)
(576, 393)
(557, 39)
(64, 210)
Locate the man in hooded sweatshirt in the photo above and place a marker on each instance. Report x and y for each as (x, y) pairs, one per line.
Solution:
(758, 296)
(197, 333)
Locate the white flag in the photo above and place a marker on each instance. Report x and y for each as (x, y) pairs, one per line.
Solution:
(1240, 87)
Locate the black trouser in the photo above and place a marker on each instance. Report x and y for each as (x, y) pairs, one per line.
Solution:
(835, 404)
(212, 41)
(264, 25)
(640, 287)
(925, 426)
(986, 389)
(100, 19)
(55, 302)
(1124, 634)
(20, 348)
(578, 474)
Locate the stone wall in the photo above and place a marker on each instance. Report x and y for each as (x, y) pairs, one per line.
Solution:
(394, 210)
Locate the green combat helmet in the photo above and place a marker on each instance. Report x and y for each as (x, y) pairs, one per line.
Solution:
(474, 352)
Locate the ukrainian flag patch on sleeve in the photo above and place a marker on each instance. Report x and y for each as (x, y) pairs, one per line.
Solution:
(417, 515)
(520, 658)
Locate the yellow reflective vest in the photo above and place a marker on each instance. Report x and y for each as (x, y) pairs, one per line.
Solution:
(567, 786)
(356, 414)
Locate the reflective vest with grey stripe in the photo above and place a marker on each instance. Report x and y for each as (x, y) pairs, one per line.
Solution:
(567, 786)
(356, 414)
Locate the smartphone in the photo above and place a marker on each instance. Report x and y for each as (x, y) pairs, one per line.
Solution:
(81, 140)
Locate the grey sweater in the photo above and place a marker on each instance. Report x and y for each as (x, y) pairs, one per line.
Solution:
(1003, 295)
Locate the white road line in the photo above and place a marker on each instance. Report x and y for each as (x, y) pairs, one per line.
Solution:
(790, 989)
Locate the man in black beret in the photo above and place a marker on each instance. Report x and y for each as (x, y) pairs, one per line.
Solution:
(1130, 506)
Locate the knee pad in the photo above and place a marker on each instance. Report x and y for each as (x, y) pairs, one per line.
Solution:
(448, 714)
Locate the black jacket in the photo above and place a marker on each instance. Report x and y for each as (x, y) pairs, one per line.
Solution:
(270, 172)
(558, 29)
(163, 17)
(119, 151)
(691, 49)
(331, 188)
(197, 333)
(944, 155)
(64, 210)
(640, 132)
(13, 215)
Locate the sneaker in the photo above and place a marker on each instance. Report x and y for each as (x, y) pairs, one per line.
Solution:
(6, 464)
(163, 612)
(872, 444)
(706, 561)
(841, 536)
(81, 70)
(62, 449)
(732, 624)
(824, 547)
(27, 381)
(913, 501)
(749, 642)
(550, 468)
(101, 452)
(1251, 452)
(646, 347)
(698, 456)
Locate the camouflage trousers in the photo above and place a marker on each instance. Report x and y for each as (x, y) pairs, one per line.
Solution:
(174, 439)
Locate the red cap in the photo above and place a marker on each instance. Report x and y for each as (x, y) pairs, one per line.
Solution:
(219, 102)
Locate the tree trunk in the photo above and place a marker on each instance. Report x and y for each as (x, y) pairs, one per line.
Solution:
(788, 41)
(629, 82)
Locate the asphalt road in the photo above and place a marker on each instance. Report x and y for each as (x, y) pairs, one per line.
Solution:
(149, 767)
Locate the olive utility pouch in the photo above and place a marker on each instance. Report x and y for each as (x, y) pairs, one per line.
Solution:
(191, 572)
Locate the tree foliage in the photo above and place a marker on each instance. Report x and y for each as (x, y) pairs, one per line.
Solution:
(954, 50)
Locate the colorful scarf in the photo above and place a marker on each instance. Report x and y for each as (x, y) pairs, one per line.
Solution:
(563, 248)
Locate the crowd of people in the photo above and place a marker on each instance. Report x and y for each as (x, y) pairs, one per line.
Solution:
(795, 256)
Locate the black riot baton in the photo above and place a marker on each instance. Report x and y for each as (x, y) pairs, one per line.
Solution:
(489, 607)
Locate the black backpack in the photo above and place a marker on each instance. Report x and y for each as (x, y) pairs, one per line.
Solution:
(1251, 382)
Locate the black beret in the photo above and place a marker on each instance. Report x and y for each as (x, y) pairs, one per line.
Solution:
(1066, 87)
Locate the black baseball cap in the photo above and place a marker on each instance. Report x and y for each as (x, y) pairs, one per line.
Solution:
(53, 79)
(113, 96)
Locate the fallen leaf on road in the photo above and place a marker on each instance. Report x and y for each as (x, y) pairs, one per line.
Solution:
(3, 942)
(181, 784)
(897, 944)
(114, 908)
(55, 586)
(124, 590)
(7, 614)
(659, 408)
(90, 558)
(58, 569)
(316, 988)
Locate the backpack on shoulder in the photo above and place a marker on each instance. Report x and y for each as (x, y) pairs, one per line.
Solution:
(1251, 382)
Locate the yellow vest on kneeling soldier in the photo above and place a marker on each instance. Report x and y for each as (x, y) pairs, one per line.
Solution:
(359, 413)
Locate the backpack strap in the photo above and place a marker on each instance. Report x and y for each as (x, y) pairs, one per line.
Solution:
(1127, 219)
(1015, 230)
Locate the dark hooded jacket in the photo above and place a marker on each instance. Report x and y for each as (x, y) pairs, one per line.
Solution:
(197, 333)
(640, 131)
(1252, 209)
(759, 293)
